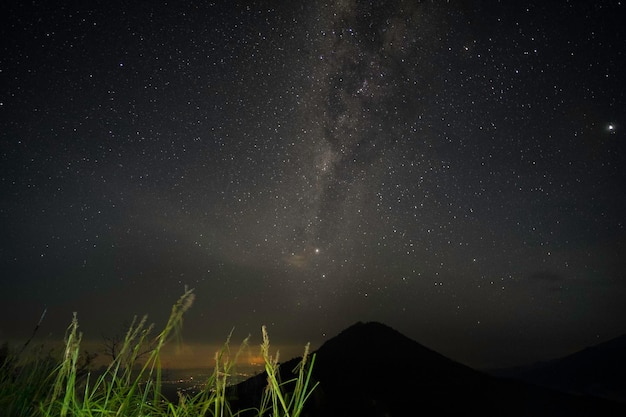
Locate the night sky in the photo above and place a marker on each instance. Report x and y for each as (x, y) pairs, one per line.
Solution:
(453, 169)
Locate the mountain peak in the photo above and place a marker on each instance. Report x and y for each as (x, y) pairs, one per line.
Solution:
(379, 346)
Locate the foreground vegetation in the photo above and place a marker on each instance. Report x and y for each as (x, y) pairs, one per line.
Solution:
(35, 384)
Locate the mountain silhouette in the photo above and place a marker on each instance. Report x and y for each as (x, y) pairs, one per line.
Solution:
(371, 370)
(599, 370)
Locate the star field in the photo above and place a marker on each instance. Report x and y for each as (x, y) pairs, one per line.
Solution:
(454, 170)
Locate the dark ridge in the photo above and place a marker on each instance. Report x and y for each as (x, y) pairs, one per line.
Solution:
(369, 369)
(599, 370)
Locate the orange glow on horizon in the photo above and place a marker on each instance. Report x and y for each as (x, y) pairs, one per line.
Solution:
(184, 355)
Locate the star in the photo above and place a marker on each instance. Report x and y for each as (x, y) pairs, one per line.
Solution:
(611, 128)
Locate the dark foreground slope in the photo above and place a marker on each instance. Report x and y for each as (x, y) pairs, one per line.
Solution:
(598, 370)
(370, 369)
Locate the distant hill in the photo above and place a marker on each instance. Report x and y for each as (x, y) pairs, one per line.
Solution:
(599, 370)
(372, 370)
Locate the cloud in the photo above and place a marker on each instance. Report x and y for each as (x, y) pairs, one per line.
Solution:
(546, 276)
(551, 281)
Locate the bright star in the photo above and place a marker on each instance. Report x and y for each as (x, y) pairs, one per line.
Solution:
(611, 128)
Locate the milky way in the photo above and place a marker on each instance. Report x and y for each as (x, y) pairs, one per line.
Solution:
(361, 99)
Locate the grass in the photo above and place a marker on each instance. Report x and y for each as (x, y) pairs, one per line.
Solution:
(43, 387)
